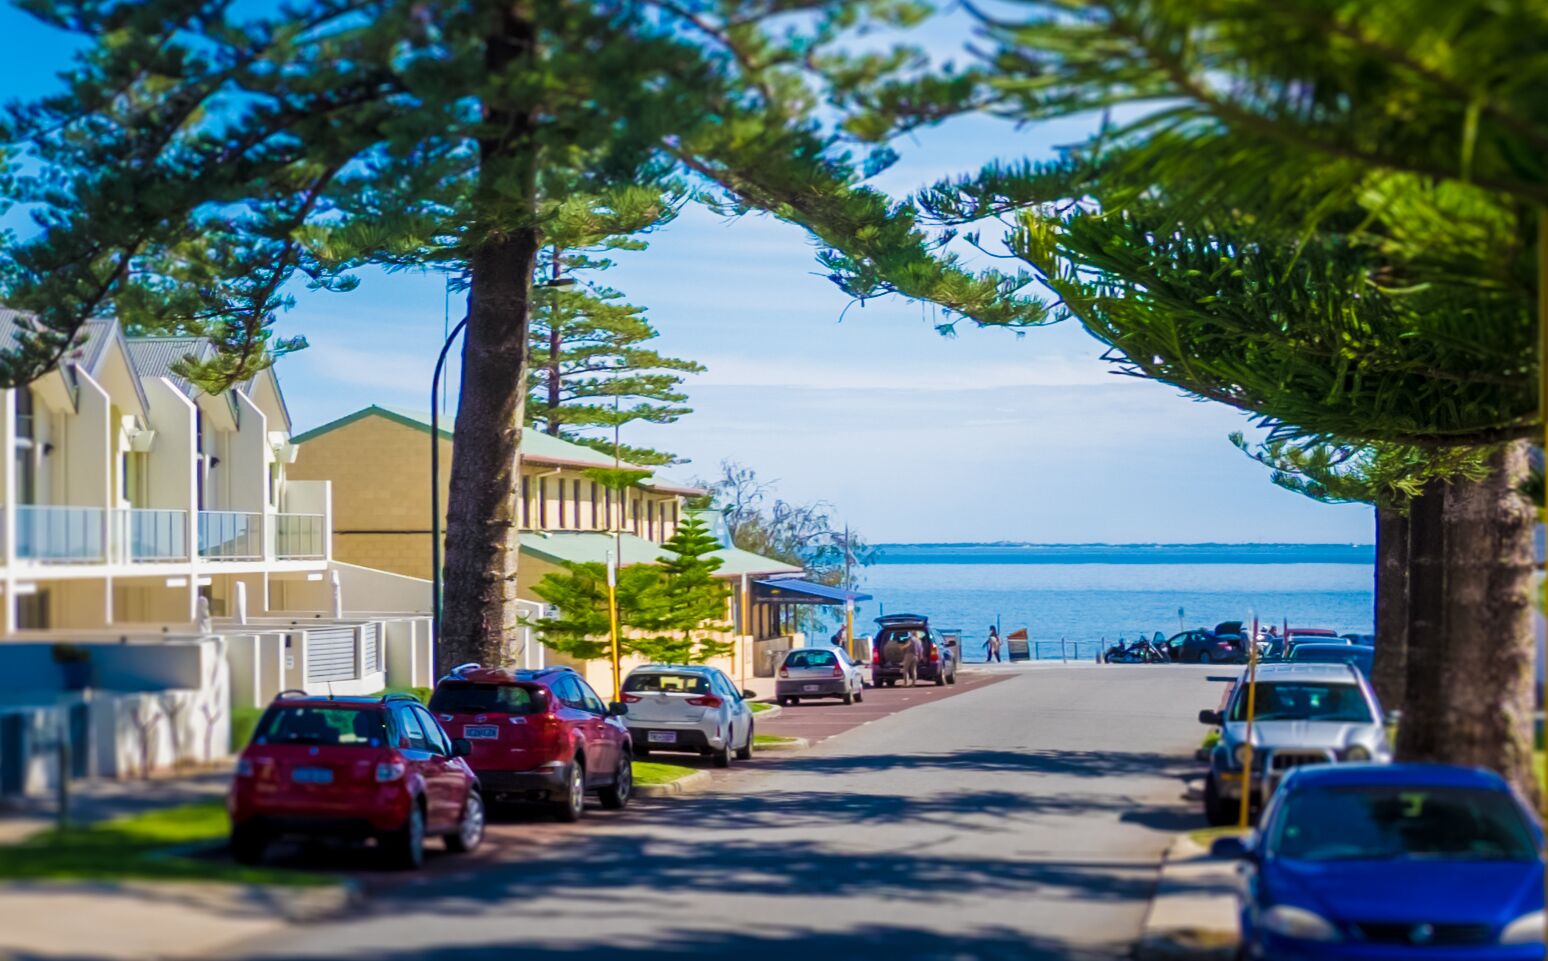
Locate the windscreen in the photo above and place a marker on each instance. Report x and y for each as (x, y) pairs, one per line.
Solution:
(321, 726)
(1388, 823)
(669, 683)
(810, 659)
(462, 697)
(1305, 701)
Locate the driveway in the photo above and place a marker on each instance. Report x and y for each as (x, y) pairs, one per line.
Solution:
(1017, 820)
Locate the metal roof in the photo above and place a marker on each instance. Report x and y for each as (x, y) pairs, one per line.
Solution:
(155, 356)
(581, 547)
(794, 590)
(735, 562)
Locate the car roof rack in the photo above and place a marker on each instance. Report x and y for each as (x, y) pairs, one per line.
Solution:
(464, 668)
(293, 692)
(399, 696)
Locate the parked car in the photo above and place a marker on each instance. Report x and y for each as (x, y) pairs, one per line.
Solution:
(1368, 640)
(811, 672)
(693, 708)
(1407, 861)
(1205, 647)
(1304, 714)
(940, 655)
(1356, 655)
(354, 768)
(540, 736)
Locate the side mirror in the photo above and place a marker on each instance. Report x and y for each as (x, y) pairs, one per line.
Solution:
(749, 695)
(951, 643)
(1231, 848)
(617, 709)
(1394, 718)
(1212, 718)
(461, 747)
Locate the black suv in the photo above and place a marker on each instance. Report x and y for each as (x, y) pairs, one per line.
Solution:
(938, 664)
(1206, 647)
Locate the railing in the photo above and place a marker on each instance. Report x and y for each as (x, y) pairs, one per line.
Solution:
(230, 536)
(299, 536)
(60, 534)
(141, 534)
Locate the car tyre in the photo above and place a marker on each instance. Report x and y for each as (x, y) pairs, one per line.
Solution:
(744, 753)
(951, 678)
(1206, 658)
(248, 845)
(860, 694)
(470, 827)
(615, 797)
(940, 679)
(405, 847)
(848, 696)
(722, 757)
(572, 806)
(1217, 811)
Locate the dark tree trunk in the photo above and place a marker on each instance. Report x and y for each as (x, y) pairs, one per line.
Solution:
(1470, 680)
(1426, 621)
(1391, 668)
(555, 348)
(481, 547)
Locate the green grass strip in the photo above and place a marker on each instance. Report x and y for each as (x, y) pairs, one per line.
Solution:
(654, 772)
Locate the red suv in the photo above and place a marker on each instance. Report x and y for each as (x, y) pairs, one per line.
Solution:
(539, 736)
(354, 767)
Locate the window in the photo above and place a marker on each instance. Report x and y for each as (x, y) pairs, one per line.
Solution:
(526, 501)
(322, 726)
(460, 697)
(607, 497)
(589, 698)
(575, 503)
(542, 518)
(26, 464)
(1390, 824)
(596, 521)
(413, 734)
(650, 518)
(434, 736)
(802, 657)
(727, 689)
(1298, 701)
(670, 683)
(569, 693)
(559, 490)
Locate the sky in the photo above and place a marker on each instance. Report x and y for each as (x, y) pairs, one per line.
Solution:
(909, 435)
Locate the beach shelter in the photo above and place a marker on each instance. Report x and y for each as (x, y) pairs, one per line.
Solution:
(1018, 646)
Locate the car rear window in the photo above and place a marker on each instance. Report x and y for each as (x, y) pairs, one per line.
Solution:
(326, 726)
(810, 659)
(902, 635)
(463, 697)
(670, 683)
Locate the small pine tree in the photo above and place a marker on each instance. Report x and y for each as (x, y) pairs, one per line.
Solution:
(687, 600)
(582, 629)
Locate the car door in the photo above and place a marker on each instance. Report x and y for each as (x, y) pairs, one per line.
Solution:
(738, 717)
(448, 784)
(414, 745)
(602, 739)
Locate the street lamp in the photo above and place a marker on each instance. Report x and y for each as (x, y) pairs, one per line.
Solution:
(435, 471)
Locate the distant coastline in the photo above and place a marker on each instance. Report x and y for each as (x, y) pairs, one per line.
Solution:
(1006, 552)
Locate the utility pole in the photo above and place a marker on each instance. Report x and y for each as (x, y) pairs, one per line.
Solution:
(849, 600)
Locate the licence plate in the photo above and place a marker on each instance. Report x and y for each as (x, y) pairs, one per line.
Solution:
(811, 687)
(661, 737)
(480, 732)
(312, 775)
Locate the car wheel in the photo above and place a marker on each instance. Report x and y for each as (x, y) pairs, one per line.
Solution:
(744, 753)
(405, 848)
(1206, 658)
(951, 678)
(470, 828)
(722, 757)
(615, 797)
(848, 697)
(940, 679)
(1217, 811)
(248, 845)
(570, 807)
(860, 694)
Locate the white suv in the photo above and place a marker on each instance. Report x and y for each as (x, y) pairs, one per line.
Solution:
(688, 707)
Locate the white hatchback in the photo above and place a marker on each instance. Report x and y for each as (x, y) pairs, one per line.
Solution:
(690, 708)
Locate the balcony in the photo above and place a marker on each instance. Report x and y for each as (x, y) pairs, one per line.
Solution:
(231, 536)
(300, 536)
(61, 535)
(144, 535)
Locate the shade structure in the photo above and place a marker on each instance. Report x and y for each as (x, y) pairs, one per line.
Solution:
(794, 590)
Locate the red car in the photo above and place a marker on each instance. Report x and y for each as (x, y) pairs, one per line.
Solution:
(354, 767)
(540, 735)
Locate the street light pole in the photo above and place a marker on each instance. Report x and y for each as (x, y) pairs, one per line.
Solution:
(435, 493)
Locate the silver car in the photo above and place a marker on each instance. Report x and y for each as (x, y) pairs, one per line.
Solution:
(688, 707)
(1304, 714)
(808, 672)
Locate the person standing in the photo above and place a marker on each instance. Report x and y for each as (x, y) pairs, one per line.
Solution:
(992, 646)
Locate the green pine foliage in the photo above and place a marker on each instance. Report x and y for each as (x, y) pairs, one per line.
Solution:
(688, 600)
(583, 629)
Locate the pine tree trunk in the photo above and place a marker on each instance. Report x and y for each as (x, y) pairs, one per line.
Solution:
(1471, 642)
(1391, 667)
(481, 547)
(555, 348)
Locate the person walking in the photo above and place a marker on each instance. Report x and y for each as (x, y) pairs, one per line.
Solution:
(992, 646)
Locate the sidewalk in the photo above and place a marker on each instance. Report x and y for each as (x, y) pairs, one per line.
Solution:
(1193, 915)
(102, 799)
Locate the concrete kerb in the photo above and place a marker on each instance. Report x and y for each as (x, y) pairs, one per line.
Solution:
(788, 744)
(1193, 915)
(769, 714)
(688, 784)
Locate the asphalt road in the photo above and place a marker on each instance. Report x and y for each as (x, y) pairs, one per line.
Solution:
(1017, 820)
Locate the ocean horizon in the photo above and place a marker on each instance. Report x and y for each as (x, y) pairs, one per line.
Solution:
(1075, 599)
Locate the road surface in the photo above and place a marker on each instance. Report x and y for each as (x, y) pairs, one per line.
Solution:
(1019, 820)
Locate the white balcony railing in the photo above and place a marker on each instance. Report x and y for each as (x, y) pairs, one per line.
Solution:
(300, 536)
(231, 536)
(150, 534)
(69, 535)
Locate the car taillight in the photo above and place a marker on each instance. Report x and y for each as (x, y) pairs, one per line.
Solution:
(244, 767)
(784, 672)
(876, 656)
(934, 655)
(838, 671)
(388, 771)
(706, 700)
(631, 698)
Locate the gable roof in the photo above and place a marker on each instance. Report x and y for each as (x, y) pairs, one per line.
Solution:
(87, 353)
(155, 356)
(536, 446)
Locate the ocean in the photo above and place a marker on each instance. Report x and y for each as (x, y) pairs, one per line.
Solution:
(1090, 595)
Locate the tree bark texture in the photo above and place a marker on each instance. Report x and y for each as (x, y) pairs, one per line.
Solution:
(1472, 648)
(480, 610)
(1390, 674)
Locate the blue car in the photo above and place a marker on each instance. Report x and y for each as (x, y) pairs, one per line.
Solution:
(1413, 861)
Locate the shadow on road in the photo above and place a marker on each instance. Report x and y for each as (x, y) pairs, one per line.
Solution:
(1086, 764)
